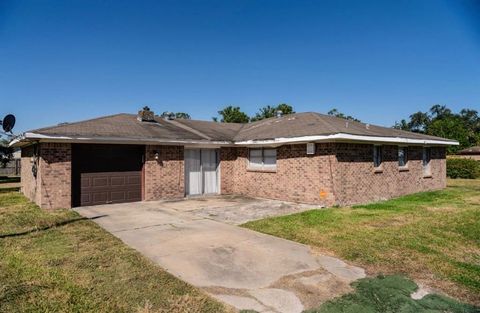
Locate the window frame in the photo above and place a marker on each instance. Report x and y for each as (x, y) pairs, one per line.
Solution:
(377, 154)
(426, 167)
(263, 167)
(405, 157)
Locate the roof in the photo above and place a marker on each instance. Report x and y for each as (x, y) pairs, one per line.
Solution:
(471, 150)
(298, 127)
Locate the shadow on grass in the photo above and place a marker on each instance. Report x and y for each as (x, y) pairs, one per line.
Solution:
(39, 229)
(8, 189)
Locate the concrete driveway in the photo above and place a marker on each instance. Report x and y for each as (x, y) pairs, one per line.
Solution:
(197, 241)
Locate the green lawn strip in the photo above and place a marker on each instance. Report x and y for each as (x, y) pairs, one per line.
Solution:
(432, 234)
(391, 294)
(48, 265)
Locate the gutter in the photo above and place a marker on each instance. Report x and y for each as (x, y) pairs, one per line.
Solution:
(29, 137)
(342, 137)
(339, 137)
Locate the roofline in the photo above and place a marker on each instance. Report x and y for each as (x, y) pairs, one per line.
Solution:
(349, 137)
(30, 136)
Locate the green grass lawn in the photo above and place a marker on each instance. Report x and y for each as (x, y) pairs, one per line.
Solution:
(432, 237)
(60, 262)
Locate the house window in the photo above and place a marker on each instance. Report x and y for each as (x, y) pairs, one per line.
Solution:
(426, 155)
(377, 156)
(262, 159)
(402, 157)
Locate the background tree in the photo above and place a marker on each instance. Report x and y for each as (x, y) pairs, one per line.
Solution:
(6, 153)
(336, 113)
(177, 115)
(231, 114)
(442, 122)
(271, 111)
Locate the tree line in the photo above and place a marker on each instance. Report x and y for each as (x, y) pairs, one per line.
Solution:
(439, 121)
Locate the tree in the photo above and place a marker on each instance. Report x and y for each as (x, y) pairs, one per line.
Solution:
(269, 111)
(183, 115)
(440, 121)
(231, 114)
(453, 128)
(419, 122)
(6, 153)
(336, 113)
(403, 125)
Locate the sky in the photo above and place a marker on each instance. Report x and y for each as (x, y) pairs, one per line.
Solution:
(380, 61)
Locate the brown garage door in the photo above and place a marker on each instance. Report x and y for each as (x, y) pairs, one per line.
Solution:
(104, 174)
(110, 187)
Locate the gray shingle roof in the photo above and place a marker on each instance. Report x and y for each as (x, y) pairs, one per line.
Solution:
(293, 125)
(471, 150)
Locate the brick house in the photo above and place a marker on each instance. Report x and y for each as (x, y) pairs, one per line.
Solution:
(303, 157)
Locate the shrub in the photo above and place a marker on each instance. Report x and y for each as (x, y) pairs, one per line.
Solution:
(463, 168)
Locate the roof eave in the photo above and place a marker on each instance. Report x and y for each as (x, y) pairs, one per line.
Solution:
(29, 137)
(347, 138)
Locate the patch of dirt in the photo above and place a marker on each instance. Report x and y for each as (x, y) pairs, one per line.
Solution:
(313, 287)
(442, 209)
(475, 200)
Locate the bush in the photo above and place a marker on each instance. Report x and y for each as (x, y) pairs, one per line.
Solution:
(463, 168)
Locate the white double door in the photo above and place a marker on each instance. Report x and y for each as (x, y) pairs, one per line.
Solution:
(201, 171)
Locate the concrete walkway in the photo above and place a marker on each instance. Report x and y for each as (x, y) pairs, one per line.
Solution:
(243, 268)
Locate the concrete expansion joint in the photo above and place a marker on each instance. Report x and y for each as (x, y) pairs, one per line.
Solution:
(143, 227)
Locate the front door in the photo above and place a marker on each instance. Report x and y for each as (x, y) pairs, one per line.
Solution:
(201, 171)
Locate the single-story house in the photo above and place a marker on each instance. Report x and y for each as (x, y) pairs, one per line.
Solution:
(303, 157)
(469, 153)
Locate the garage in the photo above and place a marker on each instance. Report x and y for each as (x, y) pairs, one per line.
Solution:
(103, 174)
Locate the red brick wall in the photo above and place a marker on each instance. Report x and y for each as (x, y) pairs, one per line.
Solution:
(28, 181)
(51, 189)
(357, 181)
(338, 173)
(298, 177)
(164, 178)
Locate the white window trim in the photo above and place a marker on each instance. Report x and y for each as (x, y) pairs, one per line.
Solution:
(263, 167)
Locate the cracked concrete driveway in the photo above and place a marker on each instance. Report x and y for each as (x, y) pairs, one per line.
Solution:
(197, 241)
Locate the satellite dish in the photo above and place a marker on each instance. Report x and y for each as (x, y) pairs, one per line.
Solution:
(8, 123)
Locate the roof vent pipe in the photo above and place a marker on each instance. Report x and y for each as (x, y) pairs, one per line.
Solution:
(367, 126)
(279, 113)
(145, 115)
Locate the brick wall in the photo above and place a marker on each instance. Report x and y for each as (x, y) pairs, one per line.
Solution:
(358, 182)
(338, 173)
(164, 178)
(299, 177)
(28, 181)
(55, 170)
(51, 188)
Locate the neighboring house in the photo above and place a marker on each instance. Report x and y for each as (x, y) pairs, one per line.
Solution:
(303, 157)
(12, 168)
(469, 153)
